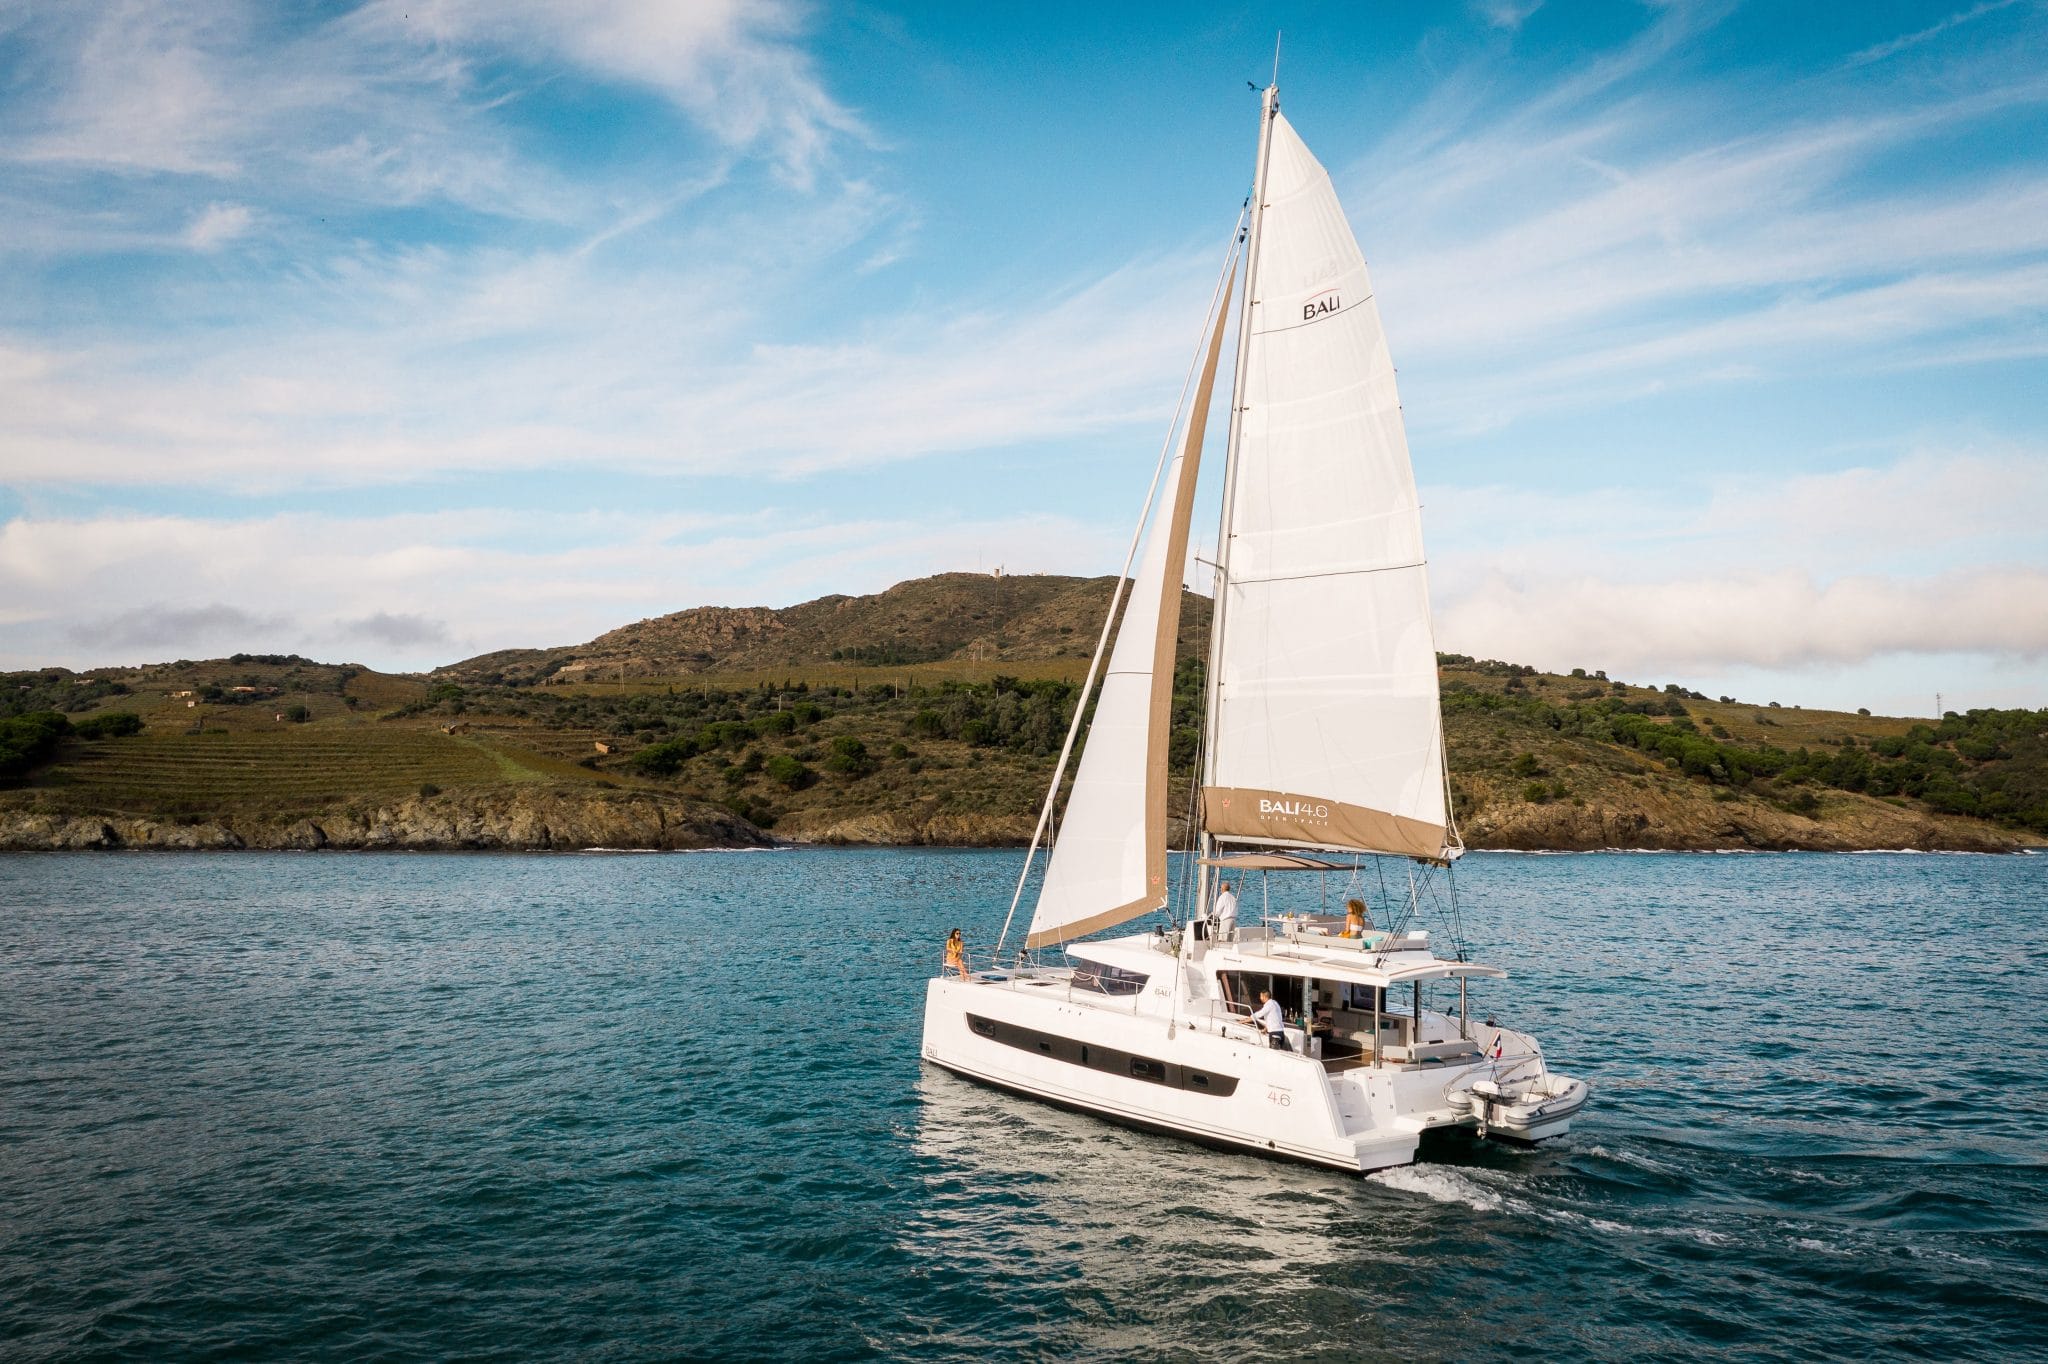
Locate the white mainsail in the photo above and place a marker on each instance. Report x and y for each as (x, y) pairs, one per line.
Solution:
(1326, 726)
(1108, 863)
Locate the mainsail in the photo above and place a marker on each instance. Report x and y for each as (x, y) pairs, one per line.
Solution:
(1109, 862)
(1326, 729)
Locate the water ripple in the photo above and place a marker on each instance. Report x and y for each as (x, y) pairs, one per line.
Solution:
(394, 1107)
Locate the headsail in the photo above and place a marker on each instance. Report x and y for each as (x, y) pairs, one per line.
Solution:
(1327, 730)
(1109, 862)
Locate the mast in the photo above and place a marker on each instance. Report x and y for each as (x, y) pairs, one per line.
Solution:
(1269, 104)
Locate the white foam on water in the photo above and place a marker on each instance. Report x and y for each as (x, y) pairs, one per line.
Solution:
(1919, 852)
(1641, 1162)
(1611, 1227)
(1437, 1182)
(678, 852)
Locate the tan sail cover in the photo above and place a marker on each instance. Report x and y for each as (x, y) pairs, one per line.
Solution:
(1108, 863)
(1327, 728)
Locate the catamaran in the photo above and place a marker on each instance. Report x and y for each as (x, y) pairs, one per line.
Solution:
(1303, 1035)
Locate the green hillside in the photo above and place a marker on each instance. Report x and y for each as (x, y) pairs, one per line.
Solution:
(948, 620)
(932, 713)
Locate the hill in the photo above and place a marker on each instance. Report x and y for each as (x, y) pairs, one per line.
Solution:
(949, 618)
(282, 752)
(928, 713)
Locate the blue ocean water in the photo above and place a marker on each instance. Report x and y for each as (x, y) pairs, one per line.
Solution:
(641, 1106)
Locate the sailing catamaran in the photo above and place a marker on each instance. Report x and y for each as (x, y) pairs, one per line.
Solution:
(1323, 748)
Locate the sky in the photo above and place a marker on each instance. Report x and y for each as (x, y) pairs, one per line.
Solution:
(396, 332)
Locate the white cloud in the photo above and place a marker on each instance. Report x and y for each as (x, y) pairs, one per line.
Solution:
(1774, 621)
(1891, 48)
(134, 88)
(1507, 14)
(470, 582)
(1937, 553)
(160, 625)
(734, 67)
(393, 103)
(1566, 253)
(585, 370)
(1982, 501)
(396, 630)
(217, 225)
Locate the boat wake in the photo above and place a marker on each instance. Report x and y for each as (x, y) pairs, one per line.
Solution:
(1442, 1183)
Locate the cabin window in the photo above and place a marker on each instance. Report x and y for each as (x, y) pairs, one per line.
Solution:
(1108, 1060)
(1108, 980)
(1142, 1069)
(1240, 987)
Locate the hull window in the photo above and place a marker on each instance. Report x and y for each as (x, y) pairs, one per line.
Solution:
(1106, 1059)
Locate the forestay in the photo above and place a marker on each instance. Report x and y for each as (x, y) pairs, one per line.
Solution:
(1327, 727)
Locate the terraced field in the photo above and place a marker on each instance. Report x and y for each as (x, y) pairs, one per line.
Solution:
(861, 677)
(551, 750)
(279, 771)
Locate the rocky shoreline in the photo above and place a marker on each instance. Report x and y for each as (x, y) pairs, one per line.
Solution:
(536, 820)
(543, 820)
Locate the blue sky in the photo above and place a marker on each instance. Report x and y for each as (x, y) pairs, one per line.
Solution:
(398, 332)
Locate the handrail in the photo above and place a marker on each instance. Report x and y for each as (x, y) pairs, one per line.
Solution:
(977, 960)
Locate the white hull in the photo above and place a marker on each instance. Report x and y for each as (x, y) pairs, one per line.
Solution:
(1199, 1078)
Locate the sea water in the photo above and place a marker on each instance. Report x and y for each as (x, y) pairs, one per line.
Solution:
(640, 1106)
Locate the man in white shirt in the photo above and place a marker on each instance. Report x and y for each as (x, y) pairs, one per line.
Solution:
(1226, 913)
(1269, 1017)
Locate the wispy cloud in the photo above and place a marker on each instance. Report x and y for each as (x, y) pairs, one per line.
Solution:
(397, 103)
(323, 585)
(586, 370)
(257, 250)
(1892, 47)
(1507, 14)
(216, 225)
(161, 626)
(736, 68)
(1680, 627)
(400, 631)
(1564, 253)
(1937, 552)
